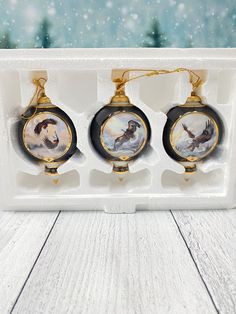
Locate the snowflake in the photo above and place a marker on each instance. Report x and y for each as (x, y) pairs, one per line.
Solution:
(109, 4)
(124, 10)
(51, 11)
(134, 16)
(181, 7)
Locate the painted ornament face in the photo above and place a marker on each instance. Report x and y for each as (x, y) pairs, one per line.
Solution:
(194, 135)
(123, 135)
(47, 136)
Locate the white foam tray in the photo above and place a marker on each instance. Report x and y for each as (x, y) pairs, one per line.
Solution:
(79, 82)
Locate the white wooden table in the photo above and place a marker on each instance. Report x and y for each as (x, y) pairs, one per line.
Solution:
(91, 262)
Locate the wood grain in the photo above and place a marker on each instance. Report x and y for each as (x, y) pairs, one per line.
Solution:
(98, 263)
(21, 237)
(211, 238)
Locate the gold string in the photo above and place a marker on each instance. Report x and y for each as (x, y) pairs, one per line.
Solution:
(38, 90)
(194, 78)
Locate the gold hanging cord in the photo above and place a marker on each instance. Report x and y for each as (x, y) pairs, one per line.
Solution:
(194, 78)
(39, 89)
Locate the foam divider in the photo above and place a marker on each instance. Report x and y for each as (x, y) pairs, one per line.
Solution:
(155, 181)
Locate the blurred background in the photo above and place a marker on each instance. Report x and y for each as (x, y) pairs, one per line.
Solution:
(117, 23)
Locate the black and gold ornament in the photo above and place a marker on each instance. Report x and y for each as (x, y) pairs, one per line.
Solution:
(120, 131)
(46, 133)
(193, 130)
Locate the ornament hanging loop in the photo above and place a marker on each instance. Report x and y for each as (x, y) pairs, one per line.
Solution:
(39, 89)
(194, 78)
(119, 79)
(39, 85)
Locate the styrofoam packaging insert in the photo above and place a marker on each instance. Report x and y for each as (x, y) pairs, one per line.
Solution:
(79, 82)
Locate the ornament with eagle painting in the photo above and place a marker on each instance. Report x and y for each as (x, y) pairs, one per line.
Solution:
(48, 135)
(120, 132)
(194, 135)
(123, 134)
(192, 131)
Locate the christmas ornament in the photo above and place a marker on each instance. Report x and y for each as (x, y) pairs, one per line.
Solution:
(193, 130)
(120, 131)
(46, 133)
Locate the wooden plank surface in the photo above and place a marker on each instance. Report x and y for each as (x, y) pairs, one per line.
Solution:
(100, 263)
(22, 236)
(211, 238)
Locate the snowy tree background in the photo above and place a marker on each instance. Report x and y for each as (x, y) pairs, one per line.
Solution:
(117, 23)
